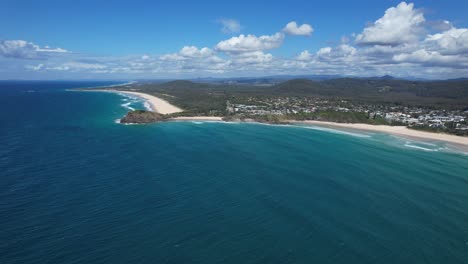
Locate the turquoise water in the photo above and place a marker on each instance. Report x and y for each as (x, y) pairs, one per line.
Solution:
(75, 187)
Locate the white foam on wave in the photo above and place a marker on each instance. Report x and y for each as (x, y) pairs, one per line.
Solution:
(422, 145)
(129, 96)
(215, 121)
(408, 145)
(197, 122)
(419, 144)
(427, 143)
(127, 105)
(336, 131)
(147, 106)
(131, 99)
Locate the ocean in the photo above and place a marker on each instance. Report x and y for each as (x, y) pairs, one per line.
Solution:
(77, 187)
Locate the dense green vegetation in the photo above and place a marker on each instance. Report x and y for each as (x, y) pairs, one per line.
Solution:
(331, 116)
(210, 99)
(343, 100)
(339, 117)
(436, 94)
(194, 98)
(142, 117)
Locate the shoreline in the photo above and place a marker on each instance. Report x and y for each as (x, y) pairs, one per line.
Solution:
(402, 131)
(103, 86)
(196, 118)
(157, 104)
(161, 106)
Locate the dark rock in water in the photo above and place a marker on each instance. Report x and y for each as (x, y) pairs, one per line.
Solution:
(141, 117)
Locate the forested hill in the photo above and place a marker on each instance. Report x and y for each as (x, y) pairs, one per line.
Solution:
(385, 90)
(365, 87)
(446, 94)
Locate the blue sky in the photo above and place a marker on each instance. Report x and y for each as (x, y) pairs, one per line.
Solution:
(182, 39)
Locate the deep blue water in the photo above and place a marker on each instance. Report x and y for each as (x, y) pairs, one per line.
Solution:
(76, 187)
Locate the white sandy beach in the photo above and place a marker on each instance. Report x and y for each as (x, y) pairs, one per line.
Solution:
(157, 104)
(198, 118)
(394, 130)
(162, 106)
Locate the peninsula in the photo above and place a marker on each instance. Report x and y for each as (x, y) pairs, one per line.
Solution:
(426, 110)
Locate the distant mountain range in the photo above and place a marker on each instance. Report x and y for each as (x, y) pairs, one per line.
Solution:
(281, 78)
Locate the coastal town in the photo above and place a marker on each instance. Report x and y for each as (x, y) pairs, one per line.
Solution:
(424, 106)
(390, 114)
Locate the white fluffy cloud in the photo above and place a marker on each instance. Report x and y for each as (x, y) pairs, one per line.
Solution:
(21, 49)
(448, 48)
(431, 58)
(230, 26)
(400, 24)
(191, 59)
(342, 51)
(189, 52)
(293, 29)
(78, 66)
(452, 41)
(255, 57)
(324, 51)
(249, 43)
(396, 44)
(194, 52)
(304, 56)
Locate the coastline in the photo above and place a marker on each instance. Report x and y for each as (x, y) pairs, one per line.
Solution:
(392, 130)
(401, 131)
(104, 86)
(163, 107)
(157, 104)
(196, 118)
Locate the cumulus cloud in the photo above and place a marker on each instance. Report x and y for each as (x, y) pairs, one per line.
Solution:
(400, 43)
(194, 52)
(230, 26)
(78, 66)
(255, 57)
(431, 58)
(21, 49)
(293, 29)
(342, 51)
(445, 49)
(401, 24)
(304, 56)
(324, 51)
(190, 53)
(249, 43)
(192, 58)
(452, 41)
